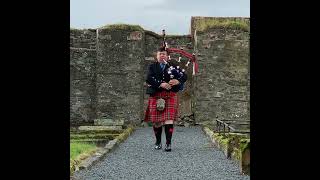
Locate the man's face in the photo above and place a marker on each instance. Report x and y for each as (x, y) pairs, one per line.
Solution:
(161, 56)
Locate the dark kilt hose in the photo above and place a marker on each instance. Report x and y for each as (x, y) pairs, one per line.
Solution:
(154, 78)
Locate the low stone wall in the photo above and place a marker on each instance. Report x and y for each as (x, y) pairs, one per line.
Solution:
(234, 146)
(88, 159)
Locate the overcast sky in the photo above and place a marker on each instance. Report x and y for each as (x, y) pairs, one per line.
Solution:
(154, 15)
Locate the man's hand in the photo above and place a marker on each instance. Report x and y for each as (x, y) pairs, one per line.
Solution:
(165, 85)
(174, 82)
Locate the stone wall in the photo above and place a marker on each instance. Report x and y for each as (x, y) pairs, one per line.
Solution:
(120, 53)
(222, 85)
(82, 76)
(83, 38)
(108, 69)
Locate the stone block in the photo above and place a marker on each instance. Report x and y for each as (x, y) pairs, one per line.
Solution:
(245, 161)
(99, 128)
(109, 122)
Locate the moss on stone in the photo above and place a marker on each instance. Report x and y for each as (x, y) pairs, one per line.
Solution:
(93, 136)
(207, 122)
(236, 154)
(221, 139)
(88, 140)
(221, 23)
(176, 36)
(125, 134)
(217, 136)
(128, 27)
(224, 141)
(240, 135)
(153, 34)
(97, 132)
(82, 30)
(121, 137)
(233, 143)
(244, 144)
(72, 166)
(158, 36)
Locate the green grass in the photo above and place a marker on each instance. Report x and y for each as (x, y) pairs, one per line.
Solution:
(79, 29)
(204, 24)
(77, 148)
(129, 27)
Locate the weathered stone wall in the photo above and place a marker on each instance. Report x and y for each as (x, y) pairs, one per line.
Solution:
(120, 53)
(222, 85)
(82, 76)
(83, 38)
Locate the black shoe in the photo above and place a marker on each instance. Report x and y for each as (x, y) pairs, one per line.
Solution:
(158, 146)
(168, 147)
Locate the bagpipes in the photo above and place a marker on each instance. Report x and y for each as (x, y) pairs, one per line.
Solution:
(178, 72)
(191, 57)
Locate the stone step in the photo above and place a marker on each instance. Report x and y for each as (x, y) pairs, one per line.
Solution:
(108, 122)
(99, 128)
(97, 132)
(93, 136)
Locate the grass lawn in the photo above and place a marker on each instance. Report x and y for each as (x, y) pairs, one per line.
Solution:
(77, 148)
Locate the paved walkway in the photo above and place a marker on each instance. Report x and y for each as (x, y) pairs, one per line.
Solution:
(192, 157)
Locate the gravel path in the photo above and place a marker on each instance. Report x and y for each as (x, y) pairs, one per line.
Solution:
(192, 157)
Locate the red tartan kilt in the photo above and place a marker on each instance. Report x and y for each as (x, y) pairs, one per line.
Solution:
(170, 111)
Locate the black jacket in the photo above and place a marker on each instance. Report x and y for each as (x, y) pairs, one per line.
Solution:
(156, 76)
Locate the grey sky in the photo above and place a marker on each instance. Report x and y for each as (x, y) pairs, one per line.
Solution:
(154, 15)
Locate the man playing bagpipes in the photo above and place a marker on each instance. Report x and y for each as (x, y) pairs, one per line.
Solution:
(164, 80)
